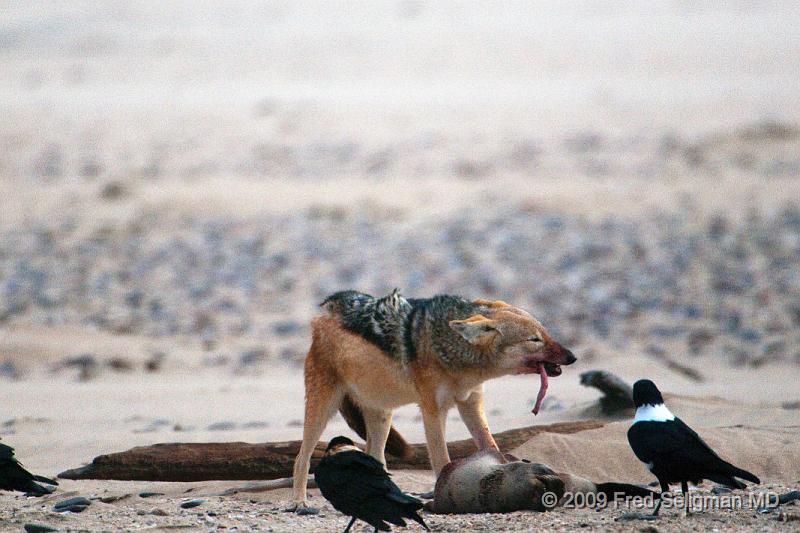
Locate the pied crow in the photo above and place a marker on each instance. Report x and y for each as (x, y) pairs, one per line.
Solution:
(357, 485)
(673, 451)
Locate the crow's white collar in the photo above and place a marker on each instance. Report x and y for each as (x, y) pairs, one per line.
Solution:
(653, 413)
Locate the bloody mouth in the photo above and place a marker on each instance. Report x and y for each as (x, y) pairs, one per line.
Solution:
(535, 367)
(544, 369)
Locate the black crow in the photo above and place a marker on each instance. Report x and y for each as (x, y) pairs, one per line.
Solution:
(357, 485)
(14, 477)
(672, 451)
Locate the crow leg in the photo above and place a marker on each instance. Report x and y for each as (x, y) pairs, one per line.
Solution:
(686, 507)
(664, 489)
(347, 529)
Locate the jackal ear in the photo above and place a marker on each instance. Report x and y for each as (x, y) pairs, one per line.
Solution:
(476, 329)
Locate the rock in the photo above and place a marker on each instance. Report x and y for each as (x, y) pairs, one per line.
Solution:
(192, 503)
(286, 327)
(155, 361)
(113, 190)
(789, 497)
(90, 169)
(9, 369)
(255, 424)
(74, 505)
(652, 349)
(114, 498)
(718, 227)
(750, 335)
(626, 517)
(252, 357)
(120, 364)
(666, 331)
(787, 517)
(774, 350)
(215, 360)
(38, 528)
(794, 313)
(222, 426)
(303, 511)
(699, 339)
(150, 494)
(693, 311)
(86, 363)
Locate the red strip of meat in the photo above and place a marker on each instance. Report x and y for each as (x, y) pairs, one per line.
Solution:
(542, 388)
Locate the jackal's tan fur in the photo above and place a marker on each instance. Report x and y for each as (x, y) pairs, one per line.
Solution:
(504, 339)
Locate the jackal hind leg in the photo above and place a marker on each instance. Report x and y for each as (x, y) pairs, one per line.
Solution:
(322, 400)
(378, 423)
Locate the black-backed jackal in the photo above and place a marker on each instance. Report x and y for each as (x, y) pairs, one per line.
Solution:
(370, 355)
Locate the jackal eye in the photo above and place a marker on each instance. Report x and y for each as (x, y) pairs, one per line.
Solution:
(534, 339)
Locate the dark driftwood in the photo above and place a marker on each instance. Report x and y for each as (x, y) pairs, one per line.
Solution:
(272, 460)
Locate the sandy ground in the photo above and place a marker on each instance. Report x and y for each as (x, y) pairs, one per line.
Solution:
(356, 145)
(739, 412)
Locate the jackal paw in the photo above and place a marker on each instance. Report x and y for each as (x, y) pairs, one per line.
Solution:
(301, 508)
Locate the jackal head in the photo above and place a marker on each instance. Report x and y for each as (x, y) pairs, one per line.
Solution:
(513, 341)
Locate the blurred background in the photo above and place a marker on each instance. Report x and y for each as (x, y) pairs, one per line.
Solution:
(181, 183)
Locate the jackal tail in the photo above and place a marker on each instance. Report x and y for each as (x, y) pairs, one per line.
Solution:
(395, 444)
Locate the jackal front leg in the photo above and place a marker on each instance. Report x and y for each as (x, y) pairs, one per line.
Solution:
(471, 411)
(433, 418)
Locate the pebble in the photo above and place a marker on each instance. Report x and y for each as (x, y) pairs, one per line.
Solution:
(38, 528)
(252, 357)
(257, 424)
(74, 505)
(9, 369)
(286, 327)
(787, 517)
(114, 498)
(625, 517)
(150, 494)
(222, 426)
(211, 277)
(789, 497)
(192, 503)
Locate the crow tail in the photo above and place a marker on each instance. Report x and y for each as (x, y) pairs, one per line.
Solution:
(744, 474)
(45, 480)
